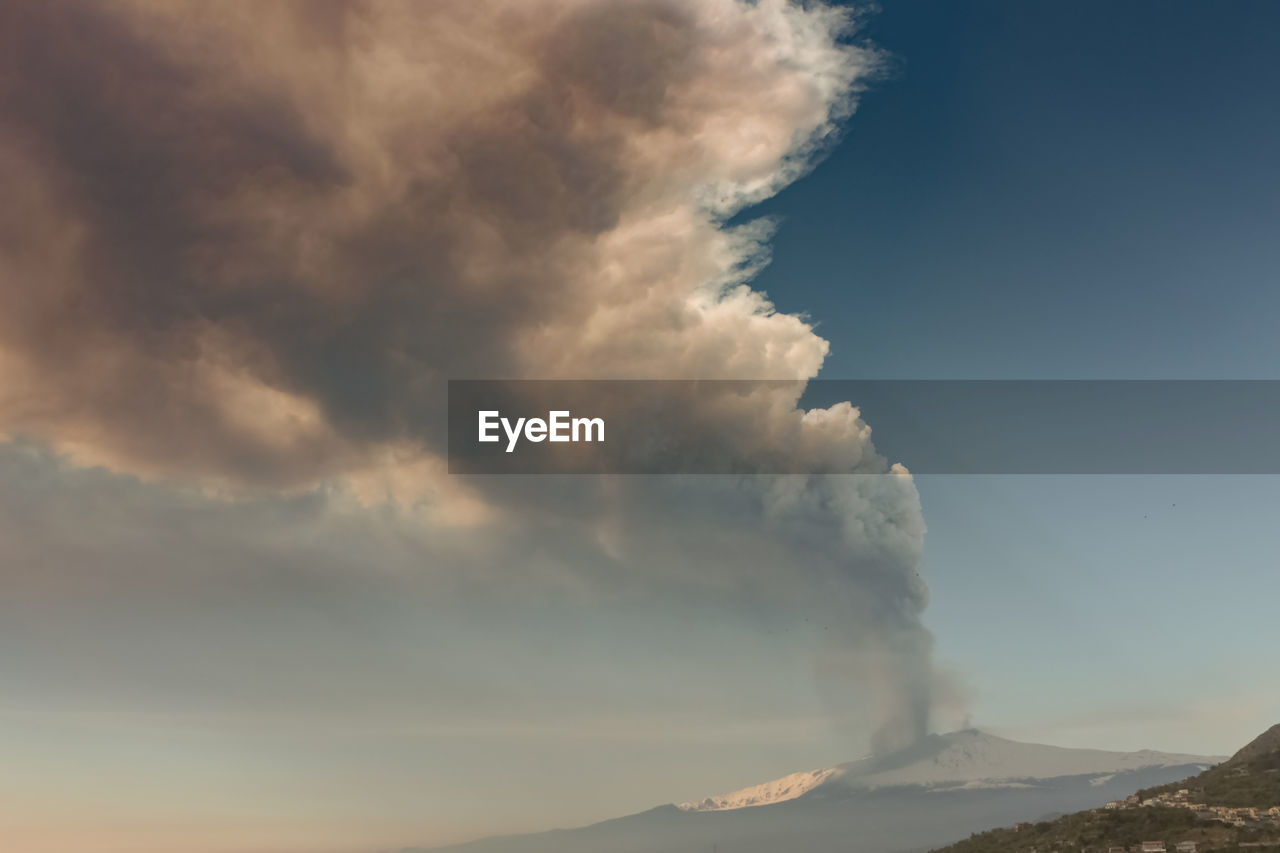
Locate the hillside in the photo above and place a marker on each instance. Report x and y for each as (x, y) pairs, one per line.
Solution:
(1231, 806)
(1102, 830)
(1251, 777)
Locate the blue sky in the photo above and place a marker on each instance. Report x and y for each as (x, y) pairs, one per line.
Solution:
(1069, 190)
(1048, 190)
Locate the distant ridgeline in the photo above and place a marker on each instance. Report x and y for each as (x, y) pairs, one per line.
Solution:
(1233, 806)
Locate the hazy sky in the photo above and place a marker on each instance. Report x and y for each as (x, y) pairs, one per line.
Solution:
(244, 608)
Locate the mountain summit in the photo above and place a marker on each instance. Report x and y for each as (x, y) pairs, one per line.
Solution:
(965, 759)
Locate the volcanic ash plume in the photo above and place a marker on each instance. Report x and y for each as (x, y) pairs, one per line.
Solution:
(245, 244)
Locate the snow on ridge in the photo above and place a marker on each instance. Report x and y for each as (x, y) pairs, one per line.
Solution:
(777, 791)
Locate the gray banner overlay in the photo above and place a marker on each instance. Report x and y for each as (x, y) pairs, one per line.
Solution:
(930, 426)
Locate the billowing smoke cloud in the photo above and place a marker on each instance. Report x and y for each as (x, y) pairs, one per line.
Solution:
(244, 245)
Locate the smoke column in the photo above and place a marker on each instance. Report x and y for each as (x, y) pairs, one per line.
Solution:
(246, 244)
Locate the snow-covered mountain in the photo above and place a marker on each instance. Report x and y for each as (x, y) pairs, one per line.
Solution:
(939, 790)
(967, 759)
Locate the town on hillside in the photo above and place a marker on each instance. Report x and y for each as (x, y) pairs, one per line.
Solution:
(1249, 817)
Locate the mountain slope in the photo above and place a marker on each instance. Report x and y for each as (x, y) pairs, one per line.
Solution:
(1236, 802)
(1250, 778)
(944, 787)
(964, 759)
